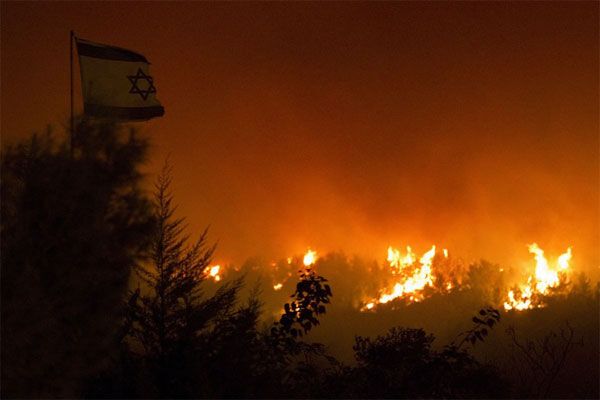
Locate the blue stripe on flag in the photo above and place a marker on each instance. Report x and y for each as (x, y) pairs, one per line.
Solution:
(123, 113)
(88, 49)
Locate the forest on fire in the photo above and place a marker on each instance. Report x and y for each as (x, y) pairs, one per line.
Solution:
(106, 294)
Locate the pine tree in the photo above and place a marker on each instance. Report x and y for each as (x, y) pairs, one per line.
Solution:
(168, 318)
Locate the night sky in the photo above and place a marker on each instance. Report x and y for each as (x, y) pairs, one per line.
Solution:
(349, 126)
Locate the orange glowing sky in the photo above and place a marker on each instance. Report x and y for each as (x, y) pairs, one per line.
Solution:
(349, 126)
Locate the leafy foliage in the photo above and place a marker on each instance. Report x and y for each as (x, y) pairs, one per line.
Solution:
(403, 363)
(73, 225)
(283, 344)
(310, 297)
(483, 322)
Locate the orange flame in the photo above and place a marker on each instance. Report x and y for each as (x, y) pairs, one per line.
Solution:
(413, 275)
(540, 283)
(213, 272)
(309, 258)
(414, 278)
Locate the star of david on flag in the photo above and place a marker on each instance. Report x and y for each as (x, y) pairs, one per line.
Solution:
(116, 83)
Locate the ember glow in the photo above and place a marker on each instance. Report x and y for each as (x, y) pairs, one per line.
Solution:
(545, 277)
(213, 272)
(309, 258)
(281, 271)
(413, 278)
(399, 262)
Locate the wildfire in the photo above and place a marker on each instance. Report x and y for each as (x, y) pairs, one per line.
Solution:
(281, 271)
(309, 258)
(522, 303)
(545, 277)
(413, 278)
(397, 262)
(213, 272)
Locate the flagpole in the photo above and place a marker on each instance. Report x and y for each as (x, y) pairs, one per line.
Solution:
(71, 80)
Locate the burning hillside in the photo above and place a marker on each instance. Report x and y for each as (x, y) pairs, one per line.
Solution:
(410, 278)
(541, 282)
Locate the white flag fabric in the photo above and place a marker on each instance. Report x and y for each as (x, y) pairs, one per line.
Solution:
(116, 83)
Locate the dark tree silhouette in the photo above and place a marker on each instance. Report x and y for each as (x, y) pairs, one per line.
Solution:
(168, 319)
(538, 362)
(75, 223)
(310, 297)
(178, 342)
(403, 364)
(483, 322)
(73, 226)
(242, 361)
(299, 377)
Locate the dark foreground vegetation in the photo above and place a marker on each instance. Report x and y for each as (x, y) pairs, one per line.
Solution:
(103, 296)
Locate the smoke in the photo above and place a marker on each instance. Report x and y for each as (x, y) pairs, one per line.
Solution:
(350, 127)
(354, 172)
(353, 126)
(480, 136)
